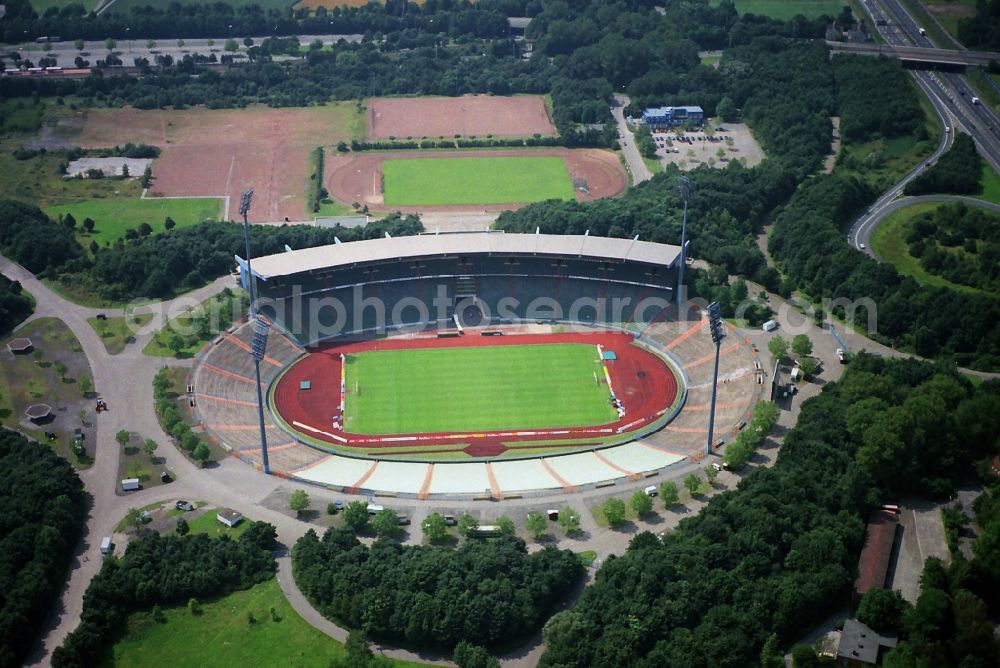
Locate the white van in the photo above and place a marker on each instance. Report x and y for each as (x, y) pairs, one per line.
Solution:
(106, 545)
(770, 325)
(374, 509)
(651, 490)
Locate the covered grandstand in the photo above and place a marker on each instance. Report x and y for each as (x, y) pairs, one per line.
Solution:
(465, 279)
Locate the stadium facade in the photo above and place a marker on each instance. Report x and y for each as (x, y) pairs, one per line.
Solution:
(394, 284)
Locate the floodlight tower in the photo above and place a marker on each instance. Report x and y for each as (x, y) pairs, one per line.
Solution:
(258, 344)
(684, 185)
(718, 328)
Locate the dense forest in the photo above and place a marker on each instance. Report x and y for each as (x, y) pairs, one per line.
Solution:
(981, 31)
(958, 172)
(875, 99)
(785, 89)
(808, 244)
(163, 570)
(760, 565)
(585, 53)
(43, 512)
(15, 304)
(419, 596)
(959, 243)
(164, 264)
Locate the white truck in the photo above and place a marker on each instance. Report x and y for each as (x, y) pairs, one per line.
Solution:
(975, 100)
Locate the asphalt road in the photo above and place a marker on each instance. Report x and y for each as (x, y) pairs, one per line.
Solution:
(873, 221)
(640, 172)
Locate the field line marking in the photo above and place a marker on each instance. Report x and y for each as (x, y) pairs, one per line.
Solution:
(363, 479)
(228, 374)
(244, 346)
(425, 489)
(568, 488)
(687, 334)
(494, 485)
(296, 423)
(238, 402)
(229, 180)
(709, 357)
(631, 474)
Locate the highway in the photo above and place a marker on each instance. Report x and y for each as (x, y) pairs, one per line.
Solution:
(951, 96)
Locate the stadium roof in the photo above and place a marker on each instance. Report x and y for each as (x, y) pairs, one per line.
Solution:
(428, 245)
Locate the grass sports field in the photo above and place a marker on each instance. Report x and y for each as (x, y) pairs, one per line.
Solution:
(475, 389)
(443, 181)
(786, 9)
(113, 216)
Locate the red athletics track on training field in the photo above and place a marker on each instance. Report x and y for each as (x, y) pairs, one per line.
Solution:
(642, 381)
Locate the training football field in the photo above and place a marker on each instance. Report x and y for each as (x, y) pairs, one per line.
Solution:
(478, 180)
(476, 389)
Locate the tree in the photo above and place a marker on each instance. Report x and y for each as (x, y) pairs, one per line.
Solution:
(385, 523)
(468, 655)
(614, 511)
(88, 224)
(111, 43)
(147, 178)
(150, 43)
(182, 527)
(248, 42)
(882, 609)
(356, 515)
(123, 437)
(467, 524)
(711, 474)
(692, 482)
(641, 503)
(78, 44)
(169, 223)
(193, 606)
(359, 652)
(85, 385)
(669, 493)
(801, 345)
(778, 347)
(298, 501)
(125, 172)
(176, 343)
(434, 527)
(133, 518)
(201, 452)
(809, 366)
(69, 221)
(506, 526)
(536, 523)
(569, 520)
(726, 110)
(149, 446)
(145, 230)
(180, 44)
(231, 45)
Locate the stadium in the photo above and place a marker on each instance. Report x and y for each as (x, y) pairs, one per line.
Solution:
(472, 364)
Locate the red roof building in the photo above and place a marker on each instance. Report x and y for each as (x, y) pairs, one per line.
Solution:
(873, 566)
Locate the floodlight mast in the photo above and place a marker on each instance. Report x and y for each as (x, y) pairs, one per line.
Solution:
(684, 185)
(718, 329)
(258, 343)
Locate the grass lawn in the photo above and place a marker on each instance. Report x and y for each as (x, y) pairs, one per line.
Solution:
(37, 180)
(991, 184)
(217, 312)
(114, 216)
(207, 523)
(889, 243)
(433, 181)
(223, 636)
(56, 373)
(786, 9)
(476, 388)
(116, 332)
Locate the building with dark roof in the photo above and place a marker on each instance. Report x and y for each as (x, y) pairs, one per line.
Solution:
(663, 118)
(873, 566)
(860, 646)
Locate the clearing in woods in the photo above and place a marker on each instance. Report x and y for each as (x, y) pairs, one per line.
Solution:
(478, 180)
(476, 388)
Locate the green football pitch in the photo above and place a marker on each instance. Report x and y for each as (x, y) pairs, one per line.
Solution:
(438, 181)
(476, 389)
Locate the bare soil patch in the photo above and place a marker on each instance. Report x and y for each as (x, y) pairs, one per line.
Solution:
(355, 177)
(468, 116)
(210, 152)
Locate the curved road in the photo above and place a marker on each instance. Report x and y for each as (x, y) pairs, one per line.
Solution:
(862, 233)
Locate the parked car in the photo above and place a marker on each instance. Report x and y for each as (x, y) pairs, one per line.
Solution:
(184, 505)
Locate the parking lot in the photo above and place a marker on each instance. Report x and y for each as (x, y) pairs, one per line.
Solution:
(726, 143)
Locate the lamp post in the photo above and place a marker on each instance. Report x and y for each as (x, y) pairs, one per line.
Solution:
(684, 185)
(718, 329)
(258, 343)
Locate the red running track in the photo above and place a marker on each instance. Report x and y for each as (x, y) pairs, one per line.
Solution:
(643, 382)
